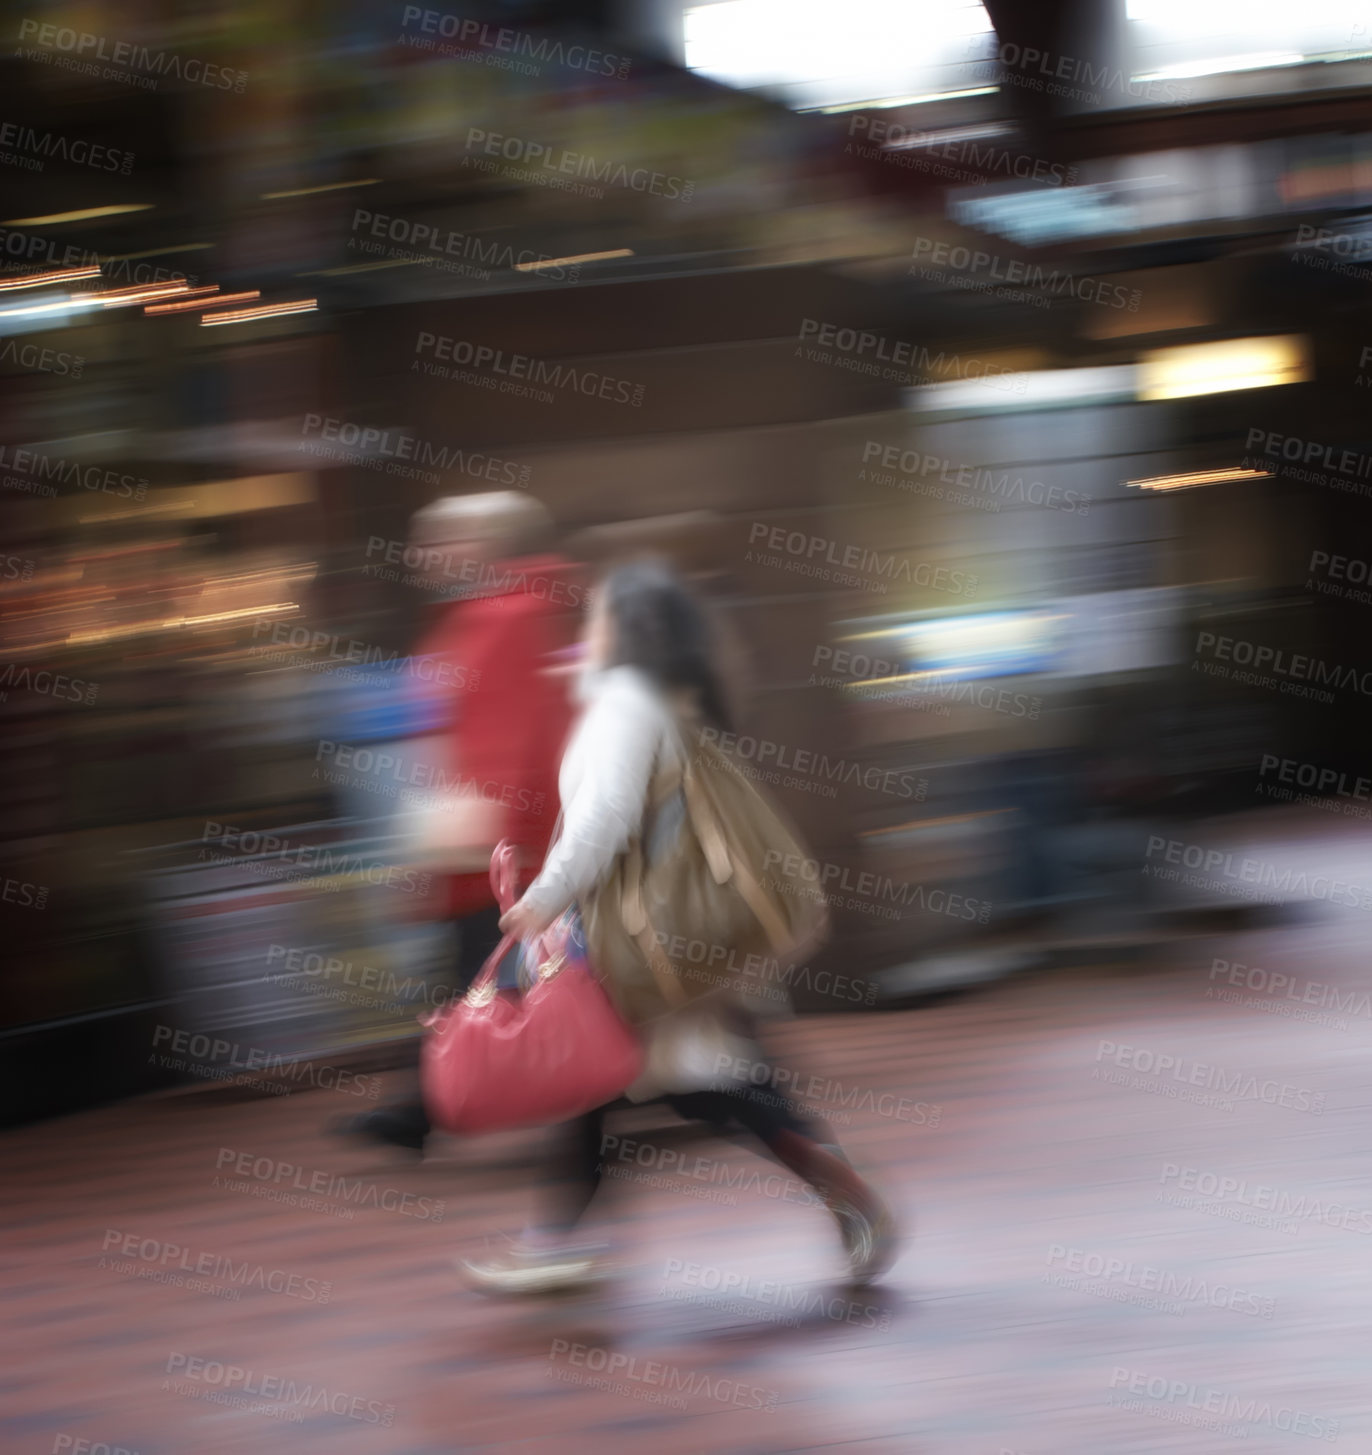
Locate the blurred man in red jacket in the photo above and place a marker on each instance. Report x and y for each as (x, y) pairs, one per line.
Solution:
(507, 607)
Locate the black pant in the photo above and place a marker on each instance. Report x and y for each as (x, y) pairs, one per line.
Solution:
(477, 937)
(579, 1159)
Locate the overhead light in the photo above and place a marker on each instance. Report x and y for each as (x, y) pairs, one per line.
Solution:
(1198, 477)
(81, 216)
(268, 310)
(1222, 65)
(179, 507)
(1229, 364)
(323, 187)
(160, 252)
(947, 136)
(365, 267)
(189, 305)
(123, 297)
(197, 294)
(568, 262)
(47, 280)
(114, 298)
(61, 305)
(883, 104)
(1039, 389)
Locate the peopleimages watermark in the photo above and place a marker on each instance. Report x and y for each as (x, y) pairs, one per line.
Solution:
(46, 684)
(487, 361)
(781, 1303)
(1281, 994)
(1275, 659)
(20, 891)
(1258, 1204)
(71, 1445)
(1274, 667)
(707, 1170)
(268, 856)
(850, 565)
(898, 362)
(1235, 871)
(426, 243)
(730, 1071)
(648, 1379)
(263, 1177)
(1070, 79)
(965, 263)
(433, 567)
(216, 1273)
(77, 50)
(41, 360)
(41, 253)
(977, 486)
(281, 1396)
(488, 39)
(34, 148)
(1291, 447)
(1336, 569)
(349, 652)
(327, 975)
(814, 766)
(42, 468)
(969, 160)
(1207, 1408)
(550, 166)
(867, 893)
(761, 976)
(1327, 786)
(1123, 1281)
(1186, 1074)
(374, 770)
(1317, 247)
(388, 450)
(214, 1058)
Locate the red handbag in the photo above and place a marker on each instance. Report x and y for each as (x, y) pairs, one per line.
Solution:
(501, 1059)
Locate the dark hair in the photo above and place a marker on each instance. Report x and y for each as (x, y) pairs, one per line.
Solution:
(660, 628)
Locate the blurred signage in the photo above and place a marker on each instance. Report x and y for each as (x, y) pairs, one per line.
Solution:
(1046, 215)
(1180, 187)
(1108, 632)
(964, 648)
(991, 644)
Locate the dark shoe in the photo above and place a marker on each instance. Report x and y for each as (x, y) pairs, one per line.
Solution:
(865, 1224)
(392, 1126)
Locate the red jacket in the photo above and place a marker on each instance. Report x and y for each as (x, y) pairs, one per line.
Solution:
(510, 719)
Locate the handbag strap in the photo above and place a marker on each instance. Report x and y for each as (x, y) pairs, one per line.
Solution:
(505, 873)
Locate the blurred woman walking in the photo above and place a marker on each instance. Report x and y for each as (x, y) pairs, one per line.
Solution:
(648, 682)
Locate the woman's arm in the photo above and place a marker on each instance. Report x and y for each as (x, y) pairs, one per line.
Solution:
(621, 736)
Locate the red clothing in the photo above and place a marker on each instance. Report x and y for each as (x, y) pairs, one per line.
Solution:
(510, 719)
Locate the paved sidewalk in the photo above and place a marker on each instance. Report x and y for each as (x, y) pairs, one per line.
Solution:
(1141, 1202)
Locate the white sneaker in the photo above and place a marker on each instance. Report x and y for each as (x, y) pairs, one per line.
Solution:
(521, 1268)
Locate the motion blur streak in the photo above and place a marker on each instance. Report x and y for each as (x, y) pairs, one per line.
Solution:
(997, 373)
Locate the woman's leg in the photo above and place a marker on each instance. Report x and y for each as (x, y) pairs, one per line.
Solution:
(406, 1123)
(756, 1109)
(574, 1172)
(864, 1222)
(552, 1256)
